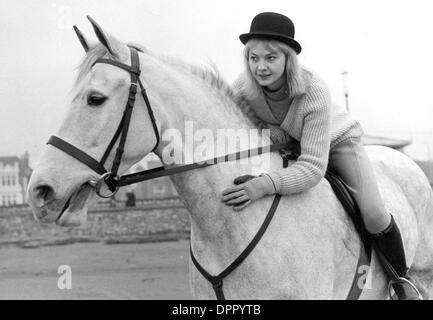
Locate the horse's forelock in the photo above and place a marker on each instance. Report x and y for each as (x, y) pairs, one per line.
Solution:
(88, 61)
(96, 53)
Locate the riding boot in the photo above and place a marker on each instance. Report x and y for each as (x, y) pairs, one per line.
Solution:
(391, 253)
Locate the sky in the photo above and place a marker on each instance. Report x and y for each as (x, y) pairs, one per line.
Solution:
(385, 46)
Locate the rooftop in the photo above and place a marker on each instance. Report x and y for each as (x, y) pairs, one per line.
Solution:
(9, 160)
(394, 143)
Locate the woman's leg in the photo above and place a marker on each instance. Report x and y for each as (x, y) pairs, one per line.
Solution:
(352, 164)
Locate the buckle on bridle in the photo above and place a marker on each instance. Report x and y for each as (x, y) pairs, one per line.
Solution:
(108, 180)
(217, 283)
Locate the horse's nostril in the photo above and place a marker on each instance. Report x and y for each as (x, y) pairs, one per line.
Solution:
(44, 193)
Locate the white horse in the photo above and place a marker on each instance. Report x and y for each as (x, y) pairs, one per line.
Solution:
(310, 249)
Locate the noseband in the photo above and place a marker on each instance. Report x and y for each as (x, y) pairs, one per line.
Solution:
(110, 178)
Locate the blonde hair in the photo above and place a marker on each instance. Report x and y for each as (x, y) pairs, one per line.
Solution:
(294, 78)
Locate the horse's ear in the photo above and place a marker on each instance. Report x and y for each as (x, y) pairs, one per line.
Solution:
(87, 44)
(113, 45)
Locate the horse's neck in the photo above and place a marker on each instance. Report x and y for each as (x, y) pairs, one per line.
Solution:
(214, 224)
(218, 233)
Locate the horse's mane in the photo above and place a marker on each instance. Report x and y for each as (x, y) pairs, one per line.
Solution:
(209, 74)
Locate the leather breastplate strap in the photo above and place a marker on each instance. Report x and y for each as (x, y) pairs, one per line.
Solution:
(350, 206)
(217, 281)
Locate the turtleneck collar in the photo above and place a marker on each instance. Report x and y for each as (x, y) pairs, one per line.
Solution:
(280, 93)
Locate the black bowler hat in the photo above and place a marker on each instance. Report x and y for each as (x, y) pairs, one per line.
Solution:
(271, 25)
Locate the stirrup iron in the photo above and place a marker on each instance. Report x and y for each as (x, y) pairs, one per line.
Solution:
(402, 280)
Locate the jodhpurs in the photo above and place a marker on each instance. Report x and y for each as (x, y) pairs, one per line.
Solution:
(352, 164)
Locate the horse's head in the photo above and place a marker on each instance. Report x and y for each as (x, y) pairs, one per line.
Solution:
(61, 186)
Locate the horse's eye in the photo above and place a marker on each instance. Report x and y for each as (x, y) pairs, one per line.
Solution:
(95, 100)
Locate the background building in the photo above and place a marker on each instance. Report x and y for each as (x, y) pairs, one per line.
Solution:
(14, 177)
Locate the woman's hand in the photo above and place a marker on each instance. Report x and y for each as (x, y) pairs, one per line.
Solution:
(248, 189)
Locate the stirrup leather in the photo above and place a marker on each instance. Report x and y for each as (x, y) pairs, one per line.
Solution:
(402, 280)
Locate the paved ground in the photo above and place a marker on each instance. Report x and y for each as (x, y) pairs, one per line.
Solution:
(99, 271)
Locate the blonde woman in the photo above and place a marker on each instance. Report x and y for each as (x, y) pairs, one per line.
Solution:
(295, 103)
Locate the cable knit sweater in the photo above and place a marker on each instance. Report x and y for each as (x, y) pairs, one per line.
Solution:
(313, 120)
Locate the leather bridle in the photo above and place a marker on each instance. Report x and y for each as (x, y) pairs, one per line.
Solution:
(110, 178)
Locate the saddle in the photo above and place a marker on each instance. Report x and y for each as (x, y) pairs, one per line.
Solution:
(348, 202)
